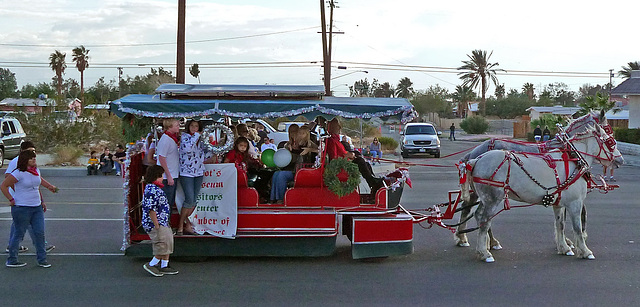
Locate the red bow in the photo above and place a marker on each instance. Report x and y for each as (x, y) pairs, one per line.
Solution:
(33, 170)
(173, 136)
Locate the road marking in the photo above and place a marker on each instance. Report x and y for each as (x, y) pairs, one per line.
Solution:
(5, 209)
(72, 219)
(76, 254)
(63, 189)
(82, 203)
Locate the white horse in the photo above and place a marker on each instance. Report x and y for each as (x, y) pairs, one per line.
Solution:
(578, 125)
(549, 179)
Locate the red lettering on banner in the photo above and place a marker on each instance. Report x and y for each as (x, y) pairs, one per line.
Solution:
(212, 185)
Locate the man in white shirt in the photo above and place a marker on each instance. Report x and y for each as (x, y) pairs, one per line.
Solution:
(168, 158)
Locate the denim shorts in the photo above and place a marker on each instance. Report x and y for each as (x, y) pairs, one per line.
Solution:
(191, 187)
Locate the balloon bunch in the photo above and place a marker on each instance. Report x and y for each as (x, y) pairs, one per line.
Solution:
(280, 158)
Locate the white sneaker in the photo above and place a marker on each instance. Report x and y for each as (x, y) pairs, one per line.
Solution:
(118, 174)
(612, 179)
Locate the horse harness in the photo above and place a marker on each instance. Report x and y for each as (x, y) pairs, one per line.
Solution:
(553, 194)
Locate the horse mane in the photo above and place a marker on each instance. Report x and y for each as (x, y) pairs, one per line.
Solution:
(591, 117)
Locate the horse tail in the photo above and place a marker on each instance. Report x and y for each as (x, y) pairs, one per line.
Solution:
(465, 171)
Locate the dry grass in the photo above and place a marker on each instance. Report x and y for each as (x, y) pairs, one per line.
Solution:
(67, 155)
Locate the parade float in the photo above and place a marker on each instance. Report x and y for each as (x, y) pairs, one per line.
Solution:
(320, 205)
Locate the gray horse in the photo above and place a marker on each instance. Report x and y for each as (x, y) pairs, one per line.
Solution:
(578, 125)
(500, 175)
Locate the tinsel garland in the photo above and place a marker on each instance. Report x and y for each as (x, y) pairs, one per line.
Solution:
(132, 149)
(408, 113)
(336, 186)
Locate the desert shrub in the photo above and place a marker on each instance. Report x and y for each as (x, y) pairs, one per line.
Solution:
(474, 125)
(388, 143)
(67, 154)
(49, 131)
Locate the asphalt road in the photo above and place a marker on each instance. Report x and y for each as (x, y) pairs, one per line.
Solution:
(85, 223)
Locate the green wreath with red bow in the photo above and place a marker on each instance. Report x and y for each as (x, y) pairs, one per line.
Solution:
(341, 176)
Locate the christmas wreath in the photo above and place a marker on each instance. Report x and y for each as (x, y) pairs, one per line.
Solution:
(217, 148)
(341, 176)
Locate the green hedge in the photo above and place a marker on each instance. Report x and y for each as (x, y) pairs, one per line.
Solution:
(474, 125)
(627, 135)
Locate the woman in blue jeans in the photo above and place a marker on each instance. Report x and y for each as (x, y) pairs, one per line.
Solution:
(27, 208)
(192, 157)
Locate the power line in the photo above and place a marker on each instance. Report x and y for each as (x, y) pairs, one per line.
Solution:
(310, 64)
(506, 72)
(157, 44)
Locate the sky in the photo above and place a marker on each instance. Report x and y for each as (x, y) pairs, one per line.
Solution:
(277, 42)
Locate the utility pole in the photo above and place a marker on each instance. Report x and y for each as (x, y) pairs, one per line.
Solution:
(180, 62)
(326, 46)
(326, 61)
(610, 82)
(119, 82)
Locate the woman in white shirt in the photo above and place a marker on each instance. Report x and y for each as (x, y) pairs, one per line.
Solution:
(27, 208)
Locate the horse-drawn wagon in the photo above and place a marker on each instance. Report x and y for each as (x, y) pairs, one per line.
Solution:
(309, 220)
(312, 215)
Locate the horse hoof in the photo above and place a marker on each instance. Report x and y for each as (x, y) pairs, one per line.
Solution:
(591, 257)
(489, 260)
(570, 253)
(463, 244)
(496, 247)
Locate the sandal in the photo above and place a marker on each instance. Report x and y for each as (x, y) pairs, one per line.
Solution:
(190, 233)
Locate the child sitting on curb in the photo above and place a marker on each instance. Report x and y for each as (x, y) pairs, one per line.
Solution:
(92, 168)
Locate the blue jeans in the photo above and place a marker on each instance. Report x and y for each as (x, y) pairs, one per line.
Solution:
(118, 167)
(376, 154)
(191, 187)
(279, 184)
(22, 218)
(170, 191)
(12, 231)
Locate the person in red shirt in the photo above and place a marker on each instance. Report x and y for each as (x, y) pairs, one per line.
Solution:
(335, 149)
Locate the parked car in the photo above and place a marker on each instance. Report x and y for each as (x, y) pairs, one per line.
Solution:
(12, 136)
(420, 138)
(284, 126)
(279, 137)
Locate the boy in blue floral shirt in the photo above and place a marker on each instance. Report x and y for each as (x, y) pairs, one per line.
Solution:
(155, 221)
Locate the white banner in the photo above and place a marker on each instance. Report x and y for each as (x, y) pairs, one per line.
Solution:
(217, 204)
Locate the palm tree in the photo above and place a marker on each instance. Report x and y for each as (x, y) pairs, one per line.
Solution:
(81, 57)
(58, 64)
(626, 71)
(599, 102)
(462, 96)
(194, 70)
(527, 88)
(404, 88)
(476, 71)
(500, 91)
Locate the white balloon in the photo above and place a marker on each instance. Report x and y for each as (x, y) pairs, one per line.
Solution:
(282, 157)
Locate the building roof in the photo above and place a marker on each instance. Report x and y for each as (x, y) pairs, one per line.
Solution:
(27, 102)
(558, 110)
(630, 86)
(623, 114)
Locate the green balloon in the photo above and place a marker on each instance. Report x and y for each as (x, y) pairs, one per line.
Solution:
(267, 157)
